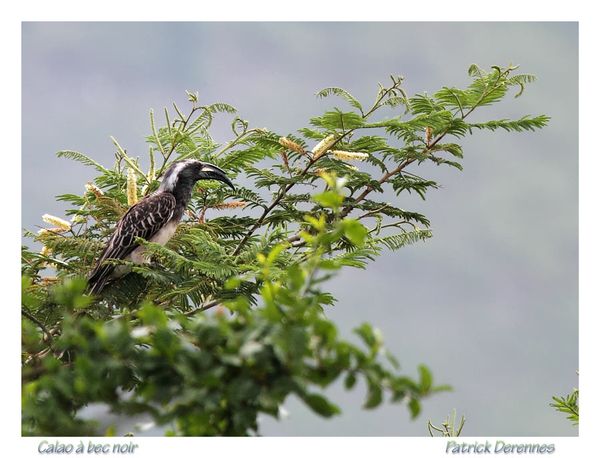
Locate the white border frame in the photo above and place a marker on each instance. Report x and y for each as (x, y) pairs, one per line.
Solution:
(305, 10)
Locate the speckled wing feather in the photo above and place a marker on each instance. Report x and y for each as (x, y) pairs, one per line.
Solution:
(142, 220)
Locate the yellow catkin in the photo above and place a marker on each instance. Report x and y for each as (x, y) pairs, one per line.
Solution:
(58, 222)
(349, 156)
(45, 232)
(291, 145)
(324, 145)
(428, 134)
(90, 187)
(228, 205)
(321, 172)
(132, 196)
(46, 251)
(152, 171)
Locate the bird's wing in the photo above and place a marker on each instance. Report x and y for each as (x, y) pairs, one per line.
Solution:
(142, 220)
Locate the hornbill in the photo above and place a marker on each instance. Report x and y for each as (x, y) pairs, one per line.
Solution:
(154, 218)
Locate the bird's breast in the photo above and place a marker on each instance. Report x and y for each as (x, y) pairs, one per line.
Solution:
(165, 233)
(161, 237)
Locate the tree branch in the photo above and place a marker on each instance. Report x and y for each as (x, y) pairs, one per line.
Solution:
(282, 193)
(41, 325)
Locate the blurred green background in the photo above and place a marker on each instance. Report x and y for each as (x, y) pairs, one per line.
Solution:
(490, 303)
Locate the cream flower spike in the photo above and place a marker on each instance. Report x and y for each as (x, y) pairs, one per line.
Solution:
(349, 156)
(132, 197)
(324, 145)
(228, 205)
(56, 221)
(90, 187)
(291, 145)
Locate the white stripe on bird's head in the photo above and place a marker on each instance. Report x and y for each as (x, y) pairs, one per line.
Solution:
(190, 171)
(171, 176)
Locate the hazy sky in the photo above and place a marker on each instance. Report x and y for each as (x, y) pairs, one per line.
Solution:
(490, 303)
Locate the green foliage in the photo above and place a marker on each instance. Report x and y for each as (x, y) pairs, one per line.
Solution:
(259, 257)
(568, 405)
(525, 123)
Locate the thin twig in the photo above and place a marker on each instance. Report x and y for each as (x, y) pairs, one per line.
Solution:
(174, 144)
(41, 325)
(155, 133)
(203, 307)
(287, 188)
(267, 210)
(407, 162)
(122, 154)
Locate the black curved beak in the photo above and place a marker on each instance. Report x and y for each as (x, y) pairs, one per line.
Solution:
(212, 172)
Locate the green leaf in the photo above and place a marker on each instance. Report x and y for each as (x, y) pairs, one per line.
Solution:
(320, 405)
(397, 241)
(392, 359)
(569, 405)
(337, 119)
(355, 232)
(350, 381)
(415, 407)
(474, 70)
(425, 379)
(329, 199)
(341, 93)
(70, 294)
(365, 331)
(28, 299)
(152, 315)
(519, 125)
(80, 157)
(374, 396)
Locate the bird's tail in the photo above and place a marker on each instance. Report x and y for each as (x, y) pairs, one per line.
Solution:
(98, 279)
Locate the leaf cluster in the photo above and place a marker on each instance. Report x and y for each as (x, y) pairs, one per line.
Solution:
(568, 405)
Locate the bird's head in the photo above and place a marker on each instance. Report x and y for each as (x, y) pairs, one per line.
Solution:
(186, 173)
